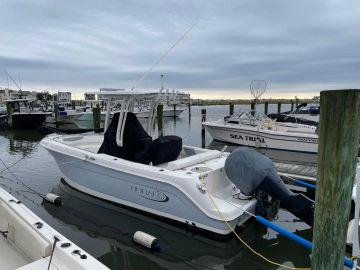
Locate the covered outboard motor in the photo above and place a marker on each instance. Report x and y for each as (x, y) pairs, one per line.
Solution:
(253, 172)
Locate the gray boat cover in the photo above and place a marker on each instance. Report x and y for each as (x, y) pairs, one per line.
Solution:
(247, 168)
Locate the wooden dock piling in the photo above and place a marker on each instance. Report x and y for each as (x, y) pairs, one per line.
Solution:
(189, 109)
(160, 118)
(73, 104)
(56, 112)
(279, 107)
(203, 119)
(340, 111)
(231, 108)
(266, 107)
(252, 105)
(174, 111)
(252, 108)
(292, 105)
(96, 118)
(9, 111)
(296, 102)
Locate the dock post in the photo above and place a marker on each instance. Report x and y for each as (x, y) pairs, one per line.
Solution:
(340, 110)
(56, 112)
(189, 109)
(266, 104)
(96, 118)
(203, 119)
(296, 102)
(73, 104)
(279, 107)
(252, 105)
(9, 111)
(160, 118)
(174, 111)
(292, 105)
(231, 108)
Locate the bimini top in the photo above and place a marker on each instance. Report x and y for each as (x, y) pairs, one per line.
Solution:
(124, 94)
(124, 101)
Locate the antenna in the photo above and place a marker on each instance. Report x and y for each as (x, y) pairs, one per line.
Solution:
(9, 76)
(163, 56)
(19, 81)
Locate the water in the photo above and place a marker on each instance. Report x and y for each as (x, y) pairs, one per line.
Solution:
(105, 230)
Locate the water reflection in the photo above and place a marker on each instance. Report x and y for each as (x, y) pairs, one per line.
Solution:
(23, 142)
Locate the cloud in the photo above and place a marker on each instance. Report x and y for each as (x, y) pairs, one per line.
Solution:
(84, 45)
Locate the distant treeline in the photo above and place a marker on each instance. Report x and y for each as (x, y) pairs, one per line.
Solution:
(205, 102)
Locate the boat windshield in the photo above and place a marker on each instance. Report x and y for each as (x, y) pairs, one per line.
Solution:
(248, 117)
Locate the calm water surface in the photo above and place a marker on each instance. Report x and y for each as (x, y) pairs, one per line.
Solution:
(105, 230)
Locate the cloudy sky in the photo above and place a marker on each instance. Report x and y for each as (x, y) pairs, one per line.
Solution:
(298, 47)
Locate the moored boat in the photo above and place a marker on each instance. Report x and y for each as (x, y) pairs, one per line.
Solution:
(163, 177)
(246, 129)
(173, 187)
(28, 242)
(23, 116)
(308, 114)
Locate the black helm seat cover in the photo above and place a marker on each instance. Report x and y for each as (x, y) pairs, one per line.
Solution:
(136, 141)
(246, 168)
(165, 149)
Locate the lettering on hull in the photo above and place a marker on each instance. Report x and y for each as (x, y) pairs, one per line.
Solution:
(150, 194)
(247, 138)
(310, 140)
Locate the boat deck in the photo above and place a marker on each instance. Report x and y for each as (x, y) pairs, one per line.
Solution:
(10, 257)
(300, 171)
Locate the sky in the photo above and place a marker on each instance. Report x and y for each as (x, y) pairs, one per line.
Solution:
(297, 47)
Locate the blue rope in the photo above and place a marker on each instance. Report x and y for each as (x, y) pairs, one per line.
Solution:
(305, 184)
(295, 238)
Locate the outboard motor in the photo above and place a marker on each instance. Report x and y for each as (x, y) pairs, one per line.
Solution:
(253, 172)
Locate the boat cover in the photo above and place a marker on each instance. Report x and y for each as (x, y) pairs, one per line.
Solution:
(136, 141)
(252, 172)
(165, 149)
(138, 146)
(247, 169)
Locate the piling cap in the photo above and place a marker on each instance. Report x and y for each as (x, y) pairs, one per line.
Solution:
(246, 168)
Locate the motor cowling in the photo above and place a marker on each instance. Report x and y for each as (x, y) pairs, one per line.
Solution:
(253, 172)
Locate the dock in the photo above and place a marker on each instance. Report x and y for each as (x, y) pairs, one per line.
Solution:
(297, 171)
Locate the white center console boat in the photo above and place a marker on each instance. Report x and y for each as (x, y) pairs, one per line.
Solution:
(249, 129)
(172, 182)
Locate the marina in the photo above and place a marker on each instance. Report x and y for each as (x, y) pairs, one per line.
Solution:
(102, 239)
(26, 145)
(179, 135)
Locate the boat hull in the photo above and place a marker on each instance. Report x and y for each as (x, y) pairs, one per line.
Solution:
(261, 139)
(28, 120)
(139, 192)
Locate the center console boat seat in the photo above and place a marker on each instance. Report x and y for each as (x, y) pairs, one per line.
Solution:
(165, 149)
(138, 146)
